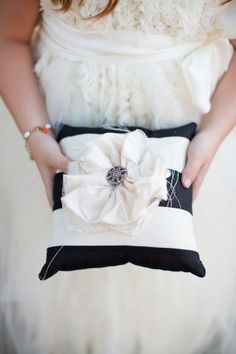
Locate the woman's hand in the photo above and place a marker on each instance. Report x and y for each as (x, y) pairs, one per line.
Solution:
(214, 127)
(49, 158)
(200, 154)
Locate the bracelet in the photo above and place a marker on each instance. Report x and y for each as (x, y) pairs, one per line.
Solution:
(43, 128)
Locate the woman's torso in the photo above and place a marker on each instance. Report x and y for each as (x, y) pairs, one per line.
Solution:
(101, 77)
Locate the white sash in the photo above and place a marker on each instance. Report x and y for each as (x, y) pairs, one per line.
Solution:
(117, 46)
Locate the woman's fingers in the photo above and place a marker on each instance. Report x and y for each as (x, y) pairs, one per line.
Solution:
(60, 162)
(63, 163)
(57, 160)
(191, 170)
(49, 158)
(47, 173)
(199, 179)
(47, 151)
(199, 157)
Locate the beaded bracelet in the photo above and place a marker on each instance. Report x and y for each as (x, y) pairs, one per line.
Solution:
(43, 128)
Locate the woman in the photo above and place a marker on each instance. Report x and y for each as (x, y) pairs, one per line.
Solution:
(122, 309)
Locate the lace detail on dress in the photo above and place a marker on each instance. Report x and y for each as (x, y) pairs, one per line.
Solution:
(187, 19)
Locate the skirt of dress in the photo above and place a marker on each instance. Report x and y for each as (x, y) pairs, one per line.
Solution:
(125, 309)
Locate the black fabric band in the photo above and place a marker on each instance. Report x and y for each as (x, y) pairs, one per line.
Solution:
(185, 131)
(68, 258)
(178, 196)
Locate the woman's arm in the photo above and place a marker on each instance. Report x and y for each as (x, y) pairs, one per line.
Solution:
(214, 127)
(19, 86)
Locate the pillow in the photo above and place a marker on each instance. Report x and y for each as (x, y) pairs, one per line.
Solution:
(122, 200)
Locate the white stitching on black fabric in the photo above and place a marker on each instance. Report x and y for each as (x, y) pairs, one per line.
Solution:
(172, 195)
(51, 262)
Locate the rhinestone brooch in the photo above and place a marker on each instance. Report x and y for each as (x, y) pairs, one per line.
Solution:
(116, 175)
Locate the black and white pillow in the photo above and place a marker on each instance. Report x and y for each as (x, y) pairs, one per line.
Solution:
(122, 201)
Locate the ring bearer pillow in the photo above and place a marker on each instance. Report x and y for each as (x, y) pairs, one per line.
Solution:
(122, 201)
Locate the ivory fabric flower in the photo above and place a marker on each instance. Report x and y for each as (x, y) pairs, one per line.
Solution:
(113, 183)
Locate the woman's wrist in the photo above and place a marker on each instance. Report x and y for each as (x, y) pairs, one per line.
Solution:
(44, 128)
(214, 127)
(36, 135)
(211, 133)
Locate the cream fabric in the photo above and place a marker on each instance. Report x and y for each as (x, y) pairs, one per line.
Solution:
(177, 234)
(91, 204)
(159, 73)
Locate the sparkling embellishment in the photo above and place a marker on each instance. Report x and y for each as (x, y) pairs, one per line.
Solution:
(116, 175)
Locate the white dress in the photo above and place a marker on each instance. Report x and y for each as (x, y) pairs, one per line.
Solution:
(153, 63)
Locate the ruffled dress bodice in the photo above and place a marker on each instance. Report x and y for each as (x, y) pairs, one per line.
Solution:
(149, 63)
